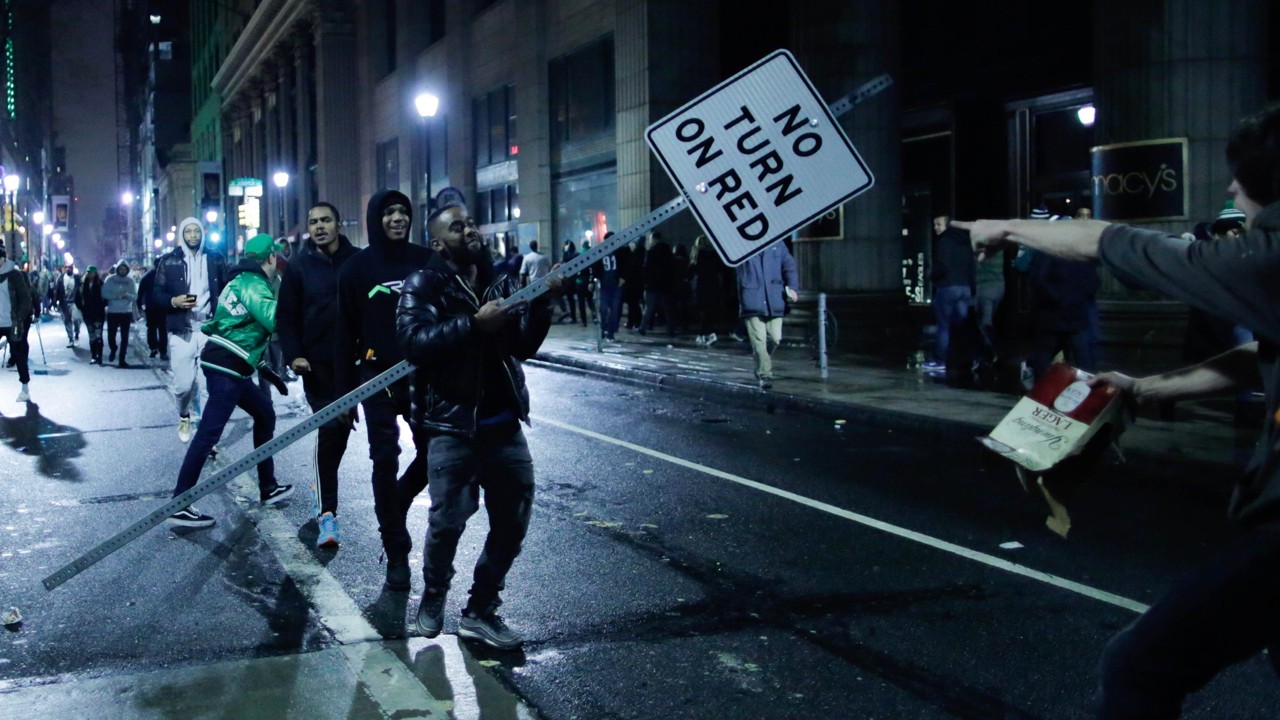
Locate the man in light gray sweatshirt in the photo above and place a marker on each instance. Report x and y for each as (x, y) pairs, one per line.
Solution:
(120, 292)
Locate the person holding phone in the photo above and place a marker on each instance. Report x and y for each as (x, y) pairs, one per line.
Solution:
(187, 283)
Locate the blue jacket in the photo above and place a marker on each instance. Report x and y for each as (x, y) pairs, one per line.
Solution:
(761, 280)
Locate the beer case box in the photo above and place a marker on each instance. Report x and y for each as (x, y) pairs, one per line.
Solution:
(1056, 419)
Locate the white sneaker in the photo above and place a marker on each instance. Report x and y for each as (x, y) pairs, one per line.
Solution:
(700, 340)
(23, 395)
(711, 339)
(184, 429)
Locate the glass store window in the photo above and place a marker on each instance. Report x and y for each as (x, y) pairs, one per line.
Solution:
(586, 207)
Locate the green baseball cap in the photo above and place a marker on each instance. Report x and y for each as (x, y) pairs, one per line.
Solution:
(260, 247)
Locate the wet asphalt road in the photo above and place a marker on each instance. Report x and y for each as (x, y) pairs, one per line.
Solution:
(689, 557)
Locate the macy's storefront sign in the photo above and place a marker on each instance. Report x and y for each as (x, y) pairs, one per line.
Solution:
(1140, 180)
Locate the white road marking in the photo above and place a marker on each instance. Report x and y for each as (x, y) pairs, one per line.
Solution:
(985, 559)
(390, 684)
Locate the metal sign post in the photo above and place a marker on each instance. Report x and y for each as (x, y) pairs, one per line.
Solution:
(402, 369)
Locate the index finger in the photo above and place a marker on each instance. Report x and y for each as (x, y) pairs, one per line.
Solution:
(962, 224)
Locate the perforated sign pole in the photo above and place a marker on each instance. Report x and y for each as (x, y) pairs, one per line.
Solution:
(402, 369)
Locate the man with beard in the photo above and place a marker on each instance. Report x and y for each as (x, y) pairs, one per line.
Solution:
(305, 319)
(368, 290)
(187, 284)
(469, 399)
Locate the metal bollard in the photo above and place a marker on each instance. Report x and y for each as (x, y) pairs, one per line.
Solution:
(822, 334)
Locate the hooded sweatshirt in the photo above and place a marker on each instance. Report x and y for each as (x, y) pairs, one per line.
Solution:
(368, 292)
(119, 292)
(6, 303)
(201, 272)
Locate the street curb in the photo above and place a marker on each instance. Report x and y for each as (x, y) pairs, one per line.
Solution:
(1200, 475)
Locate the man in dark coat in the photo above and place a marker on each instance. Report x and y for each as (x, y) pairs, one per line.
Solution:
(305, 318)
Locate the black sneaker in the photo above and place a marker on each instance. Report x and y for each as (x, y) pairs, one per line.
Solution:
(489, 629)
(398, 574)
(190, 517)
(278, 495)
(431, 613)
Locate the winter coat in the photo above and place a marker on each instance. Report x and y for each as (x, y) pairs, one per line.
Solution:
(308, 309)
(242, 322)
(20, 300)
(89, 299)
(456, 362)
(761, 282)
(171, 281)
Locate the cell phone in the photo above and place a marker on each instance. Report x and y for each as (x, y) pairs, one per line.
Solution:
(191, 297)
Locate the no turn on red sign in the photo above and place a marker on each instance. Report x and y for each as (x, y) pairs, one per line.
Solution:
(758, 156)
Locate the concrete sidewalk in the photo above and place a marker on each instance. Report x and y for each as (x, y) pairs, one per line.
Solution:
(1203, 444)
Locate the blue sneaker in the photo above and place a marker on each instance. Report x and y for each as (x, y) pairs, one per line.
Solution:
(328, 537)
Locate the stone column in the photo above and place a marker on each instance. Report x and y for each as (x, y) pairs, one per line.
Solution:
(1180, 68)
(337, 109)
(305, 113)
(286, 113)
(842, 45)
(683, 49)
(1168, 69)
(532, 102)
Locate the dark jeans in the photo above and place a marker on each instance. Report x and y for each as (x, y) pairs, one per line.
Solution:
(497, 462)
(1075, 349)
(1218, 615)
(120, 322)
(610, 310)
(391, 495)
(652, 299)
(19, 348)
(331, 439)
(226, 393)
(584, 300)
(157, 335)
(633, 296)
(950, 307)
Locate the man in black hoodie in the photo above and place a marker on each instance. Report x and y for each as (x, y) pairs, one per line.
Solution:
(368, 290)
(305, 318)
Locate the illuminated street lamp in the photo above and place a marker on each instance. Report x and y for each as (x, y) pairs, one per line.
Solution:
(281, 180)
(126, 200)
(427, 106)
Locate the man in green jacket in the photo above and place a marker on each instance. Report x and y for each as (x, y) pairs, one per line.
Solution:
(238, 334)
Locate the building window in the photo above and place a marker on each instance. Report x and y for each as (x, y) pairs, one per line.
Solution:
(495, 206)
(582, 94)
(388, 170)
(493, 120)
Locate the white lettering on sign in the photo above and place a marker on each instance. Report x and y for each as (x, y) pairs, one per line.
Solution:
(758, 157)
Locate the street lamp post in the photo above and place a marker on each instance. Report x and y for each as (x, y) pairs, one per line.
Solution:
(281, 180)
(126, 201)
(37, 225)
(11, 184)
(427, 106)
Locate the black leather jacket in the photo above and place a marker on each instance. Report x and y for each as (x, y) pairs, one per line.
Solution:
(171, 280)
(435, 333)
